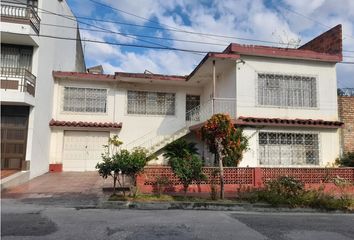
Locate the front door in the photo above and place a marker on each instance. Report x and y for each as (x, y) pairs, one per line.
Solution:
(192, 102)
(14, 124)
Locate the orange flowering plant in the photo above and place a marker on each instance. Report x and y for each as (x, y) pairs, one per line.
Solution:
(233, 140)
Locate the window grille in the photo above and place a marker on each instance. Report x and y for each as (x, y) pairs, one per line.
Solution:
(286, 90)
(151, 103)
(13, 56)
(85, 100)
(288, 148)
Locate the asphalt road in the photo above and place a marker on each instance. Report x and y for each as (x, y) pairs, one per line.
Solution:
(21, 220)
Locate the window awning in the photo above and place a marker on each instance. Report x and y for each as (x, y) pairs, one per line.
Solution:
(107, 125)
(281, 122)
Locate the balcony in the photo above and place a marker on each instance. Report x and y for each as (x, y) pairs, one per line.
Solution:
(205, 111)
(22, 14)
(19, 79)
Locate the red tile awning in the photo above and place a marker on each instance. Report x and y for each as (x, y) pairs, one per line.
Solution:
(80, 124)
(281, 122)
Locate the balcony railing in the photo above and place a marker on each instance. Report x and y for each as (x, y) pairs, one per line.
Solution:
(17, 79)
(11, 12)
(205, 111)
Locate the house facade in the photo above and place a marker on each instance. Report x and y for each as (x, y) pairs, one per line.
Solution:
(284, 99)
(28, 58)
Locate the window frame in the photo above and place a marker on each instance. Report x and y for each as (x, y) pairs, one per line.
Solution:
(317, 94)
(318, 133)
(146, 102)
(83, 112)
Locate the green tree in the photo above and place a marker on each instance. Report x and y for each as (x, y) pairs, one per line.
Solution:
(226, 142)
(109, 167)
(188, 169)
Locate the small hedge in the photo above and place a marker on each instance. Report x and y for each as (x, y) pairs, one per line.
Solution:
(287, 191)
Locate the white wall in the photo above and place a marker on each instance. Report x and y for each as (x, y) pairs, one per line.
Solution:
(51, 54)
(134, 126)
(247, 83)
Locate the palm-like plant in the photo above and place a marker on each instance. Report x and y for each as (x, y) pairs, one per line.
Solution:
(180, 149)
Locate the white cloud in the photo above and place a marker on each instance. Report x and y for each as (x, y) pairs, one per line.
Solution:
(238, 18)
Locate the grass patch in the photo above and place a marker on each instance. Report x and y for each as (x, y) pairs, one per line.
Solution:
(164, 198)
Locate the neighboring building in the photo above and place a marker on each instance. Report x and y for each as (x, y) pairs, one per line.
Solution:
(285, 99)
(27, 61)
(346, 115)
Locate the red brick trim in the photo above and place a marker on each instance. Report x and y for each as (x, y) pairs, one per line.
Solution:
(328, 42)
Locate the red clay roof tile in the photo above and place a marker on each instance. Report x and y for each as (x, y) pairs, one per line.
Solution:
(56, 123)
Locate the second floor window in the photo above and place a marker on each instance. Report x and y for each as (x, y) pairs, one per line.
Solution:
(286, 90)
(16, 57)
(151, 103)
(89, 100)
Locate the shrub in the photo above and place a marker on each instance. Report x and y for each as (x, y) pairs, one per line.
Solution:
(187, 169)
(347, 160)
(115, 162)
(131, 164)
(289, 191)
(179, 149)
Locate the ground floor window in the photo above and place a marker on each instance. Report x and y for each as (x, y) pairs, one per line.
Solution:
(283, 148)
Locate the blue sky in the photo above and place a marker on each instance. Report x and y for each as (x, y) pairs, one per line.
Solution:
(277, 21)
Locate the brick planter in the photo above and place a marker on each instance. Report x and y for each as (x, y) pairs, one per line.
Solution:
(56, 167)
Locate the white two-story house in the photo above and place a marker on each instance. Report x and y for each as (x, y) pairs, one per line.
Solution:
(30, 51)
(284, 99)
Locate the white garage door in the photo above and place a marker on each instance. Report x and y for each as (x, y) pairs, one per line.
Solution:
(82, 150)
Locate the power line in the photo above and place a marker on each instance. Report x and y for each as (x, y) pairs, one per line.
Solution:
(132, 45)
(137, 16)
(312, 19)
(146, 19)
(118, 44)
(170, 39)
(92, 25)
(137, 35)
(182, 31)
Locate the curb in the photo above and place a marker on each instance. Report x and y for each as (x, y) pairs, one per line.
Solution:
(210, 206)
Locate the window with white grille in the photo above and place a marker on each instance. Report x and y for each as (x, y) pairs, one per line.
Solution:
(286, 90)
(151, 103)
(85, 100)
(288, 148)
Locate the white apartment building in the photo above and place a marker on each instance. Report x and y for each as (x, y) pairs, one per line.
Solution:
(284, 99)
(28, 57)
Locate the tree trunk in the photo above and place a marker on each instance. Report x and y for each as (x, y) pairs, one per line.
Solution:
(185, 188)
(221, 167)
(114, 183)
(221, 179)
